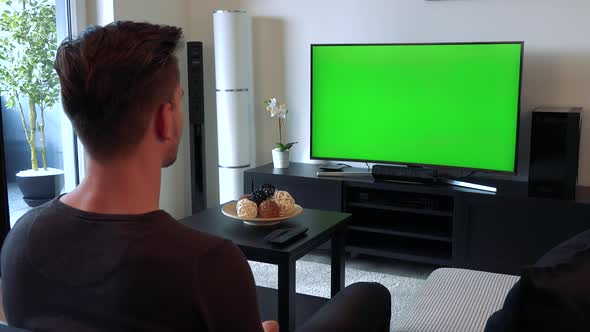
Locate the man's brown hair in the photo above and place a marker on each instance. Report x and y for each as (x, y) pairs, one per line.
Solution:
(111, 77)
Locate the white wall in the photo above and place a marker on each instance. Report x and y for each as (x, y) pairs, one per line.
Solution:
(556, 65)
(175, 194)
(99, 12)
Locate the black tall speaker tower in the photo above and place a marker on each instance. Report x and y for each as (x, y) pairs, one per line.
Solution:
(196, 107)
(555, 146)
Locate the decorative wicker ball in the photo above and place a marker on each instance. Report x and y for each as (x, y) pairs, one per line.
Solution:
(246, 208)
(268, 209)
(268, 190)
(257, 196)
(285, 202)
(246, 196)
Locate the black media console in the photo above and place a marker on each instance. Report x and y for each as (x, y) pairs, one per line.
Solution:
(437, 223)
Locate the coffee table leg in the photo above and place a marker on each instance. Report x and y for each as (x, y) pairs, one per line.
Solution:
(287, 296)
(338, 259)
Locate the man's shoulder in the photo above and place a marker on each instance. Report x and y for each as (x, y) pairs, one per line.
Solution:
(24, 222)
(17, 238)
(159, 226)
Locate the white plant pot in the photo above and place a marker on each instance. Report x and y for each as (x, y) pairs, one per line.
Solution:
(280, 159)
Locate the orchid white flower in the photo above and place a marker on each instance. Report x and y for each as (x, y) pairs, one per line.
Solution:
(279, 111)
(275, 109)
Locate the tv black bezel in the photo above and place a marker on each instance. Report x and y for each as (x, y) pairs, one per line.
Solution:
(403, 163)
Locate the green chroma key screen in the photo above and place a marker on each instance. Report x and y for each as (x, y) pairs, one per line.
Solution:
(451, 105)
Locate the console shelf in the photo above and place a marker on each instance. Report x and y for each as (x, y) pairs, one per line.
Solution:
(400, 209)
(410, 232)
(404, 256)
(391, 247)
(397, 224)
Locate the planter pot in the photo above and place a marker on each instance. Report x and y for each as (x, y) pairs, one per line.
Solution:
(39, 187)
(280, 159)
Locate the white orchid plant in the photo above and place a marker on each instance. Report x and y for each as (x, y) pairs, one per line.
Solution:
(278, 110)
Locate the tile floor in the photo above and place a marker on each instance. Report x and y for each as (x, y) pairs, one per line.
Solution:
(16, 205)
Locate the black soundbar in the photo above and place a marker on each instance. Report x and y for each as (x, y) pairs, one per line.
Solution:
(404, 174)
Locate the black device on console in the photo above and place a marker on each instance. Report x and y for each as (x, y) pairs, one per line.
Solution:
(404, 174)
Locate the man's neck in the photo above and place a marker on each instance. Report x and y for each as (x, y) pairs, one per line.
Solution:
(117, 188)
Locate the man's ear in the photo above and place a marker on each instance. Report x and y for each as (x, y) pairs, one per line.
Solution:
(163, 122)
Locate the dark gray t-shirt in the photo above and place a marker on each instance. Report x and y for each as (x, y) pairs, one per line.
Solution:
(68, 270)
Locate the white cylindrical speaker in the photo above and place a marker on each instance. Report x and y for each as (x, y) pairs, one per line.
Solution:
(228, 180)
(232, 31)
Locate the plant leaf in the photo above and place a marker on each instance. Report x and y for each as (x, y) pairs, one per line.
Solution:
(285, 147)
(289, 145)
(27, 43)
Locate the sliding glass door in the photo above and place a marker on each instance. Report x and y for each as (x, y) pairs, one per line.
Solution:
(40, 148)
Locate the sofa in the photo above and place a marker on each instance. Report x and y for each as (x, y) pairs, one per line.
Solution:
(456, 300)
(551, 295)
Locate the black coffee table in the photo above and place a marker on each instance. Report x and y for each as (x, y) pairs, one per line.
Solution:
(323, 226)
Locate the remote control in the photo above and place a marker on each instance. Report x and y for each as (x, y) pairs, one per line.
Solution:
(285, 235)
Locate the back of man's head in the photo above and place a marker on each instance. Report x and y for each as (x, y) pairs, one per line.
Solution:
(113, 78)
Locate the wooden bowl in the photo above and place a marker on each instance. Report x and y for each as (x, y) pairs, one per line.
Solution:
(229, 209)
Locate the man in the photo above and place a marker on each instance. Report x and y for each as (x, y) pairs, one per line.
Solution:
(105, 257)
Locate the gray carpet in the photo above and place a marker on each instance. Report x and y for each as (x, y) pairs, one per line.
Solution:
(314, 279)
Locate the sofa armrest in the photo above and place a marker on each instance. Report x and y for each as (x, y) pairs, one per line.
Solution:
(456, 300)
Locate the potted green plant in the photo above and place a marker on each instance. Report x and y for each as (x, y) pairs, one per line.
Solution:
(28, 41)
(280, 154)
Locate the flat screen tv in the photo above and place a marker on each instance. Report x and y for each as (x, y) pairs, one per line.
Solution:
(443, 105)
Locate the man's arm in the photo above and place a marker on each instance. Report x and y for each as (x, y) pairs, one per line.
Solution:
(225, 292)
(270, 326)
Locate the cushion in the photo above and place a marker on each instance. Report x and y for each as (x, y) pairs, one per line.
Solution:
(553, 294)
(557, 289)
(506, 319)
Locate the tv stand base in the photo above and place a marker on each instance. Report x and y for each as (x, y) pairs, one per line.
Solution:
(470, 185)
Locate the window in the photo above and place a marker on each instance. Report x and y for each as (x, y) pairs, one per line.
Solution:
(40, 148)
